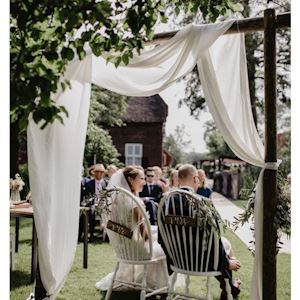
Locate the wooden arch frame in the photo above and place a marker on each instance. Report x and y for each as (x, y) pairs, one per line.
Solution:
(268, 24)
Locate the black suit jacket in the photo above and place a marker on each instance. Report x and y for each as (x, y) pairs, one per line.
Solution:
(155, 194)
(91, 186)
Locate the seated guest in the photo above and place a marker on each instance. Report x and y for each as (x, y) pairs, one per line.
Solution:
(189, 180)
(151, 195)
(203, 189)
(98, 183)
(111, 169)
(159, 179)
(173, 180)
(83, 193)
(94, 187)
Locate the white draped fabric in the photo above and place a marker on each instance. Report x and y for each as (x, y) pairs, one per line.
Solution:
(56, 153)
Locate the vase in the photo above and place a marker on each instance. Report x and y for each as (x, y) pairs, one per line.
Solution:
(15, 196)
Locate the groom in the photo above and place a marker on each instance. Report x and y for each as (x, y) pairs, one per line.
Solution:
(189, 180)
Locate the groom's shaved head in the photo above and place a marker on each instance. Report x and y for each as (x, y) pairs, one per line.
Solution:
(187, 171)
(188, 176)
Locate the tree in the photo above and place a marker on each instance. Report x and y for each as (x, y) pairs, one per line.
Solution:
(176, 144)
(46, 35)
(194, 96)
(214, 141)
(106, 109)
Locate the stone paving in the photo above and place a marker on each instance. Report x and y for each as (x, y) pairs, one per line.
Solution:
(228, 210)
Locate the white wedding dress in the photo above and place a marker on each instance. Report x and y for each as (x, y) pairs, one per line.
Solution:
(155, 276)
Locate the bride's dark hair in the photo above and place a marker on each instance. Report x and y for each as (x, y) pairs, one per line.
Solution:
(132, 172)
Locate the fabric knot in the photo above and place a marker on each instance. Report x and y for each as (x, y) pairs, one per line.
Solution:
(272, 165)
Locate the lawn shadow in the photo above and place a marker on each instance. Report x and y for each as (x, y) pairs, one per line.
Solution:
(132, 295)
(18, 279)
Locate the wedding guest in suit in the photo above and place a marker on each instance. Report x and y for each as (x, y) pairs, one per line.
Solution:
(159, 179)
(94, 187)
(151, 195)
(189, 180)
(203, 189)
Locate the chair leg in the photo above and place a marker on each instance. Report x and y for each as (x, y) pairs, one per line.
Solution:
(187, 283)
(228, 290)
(108, 293)
(144, 283)
(166, 276)
(171, 290)
(208, 288)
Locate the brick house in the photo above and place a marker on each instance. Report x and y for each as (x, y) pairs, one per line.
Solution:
(140, 141)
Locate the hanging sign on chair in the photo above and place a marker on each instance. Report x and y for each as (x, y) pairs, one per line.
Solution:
(181, 221)
(120, 229)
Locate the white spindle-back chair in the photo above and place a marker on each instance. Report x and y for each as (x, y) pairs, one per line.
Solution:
(134, 250)
(193, 249)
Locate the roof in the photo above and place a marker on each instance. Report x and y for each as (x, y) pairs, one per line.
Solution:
(146, 110)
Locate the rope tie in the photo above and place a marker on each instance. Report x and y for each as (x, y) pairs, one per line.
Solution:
(272, 165)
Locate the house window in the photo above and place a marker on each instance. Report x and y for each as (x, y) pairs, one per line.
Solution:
(133, 154)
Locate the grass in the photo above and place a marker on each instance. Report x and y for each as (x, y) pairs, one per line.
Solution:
(80, 283)
(240, 203)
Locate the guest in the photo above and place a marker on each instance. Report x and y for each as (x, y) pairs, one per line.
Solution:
(98, 183)
(91, 168)
(111, 169)
(189, 180)
(83, 193)
(94, 187)
(159, 179)
(203, 189)
(151, 195)
(84, 181)
(173, 180)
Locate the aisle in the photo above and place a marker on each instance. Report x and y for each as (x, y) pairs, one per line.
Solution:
(228, 211)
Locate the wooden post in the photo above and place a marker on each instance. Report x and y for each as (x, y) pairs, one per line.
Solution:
(269, 182)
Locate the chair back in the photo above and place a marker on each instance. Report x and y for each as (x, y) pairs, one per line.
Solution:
(184, 222)
(126, 232)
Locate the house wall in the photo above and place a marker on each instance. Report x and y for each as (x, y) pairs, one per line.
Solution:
(148, 134)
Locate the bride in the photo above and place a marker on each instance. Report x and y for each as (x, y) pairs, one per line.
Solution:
(132, 179)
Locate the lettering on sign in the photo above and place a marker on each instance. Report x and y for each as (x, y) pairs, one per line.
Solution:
(181, 221)
(120, 229)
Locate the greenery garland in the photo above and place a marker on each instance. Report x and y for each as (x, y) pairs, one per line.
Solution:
(283, 212)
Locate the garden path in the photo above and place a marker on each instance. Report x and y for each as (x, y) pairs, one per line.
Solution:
(228, 210)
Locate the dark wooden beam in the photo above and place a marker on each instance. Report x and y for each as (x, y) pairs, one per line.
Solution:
(242, 25)
(269, 180)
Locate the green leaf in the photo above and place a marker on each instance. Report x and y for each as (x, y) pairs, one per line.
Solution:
(125, 59)
(67, 53)
(118, 61)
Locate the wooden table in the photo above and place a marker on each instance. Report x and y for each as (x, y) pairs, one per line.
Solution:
(27, 212)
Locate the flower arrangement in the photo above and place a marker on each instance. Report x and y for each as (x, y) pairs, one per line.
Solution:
(16, 185)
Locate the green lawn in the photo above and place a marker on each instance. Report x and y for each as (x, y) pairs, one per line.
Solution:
(80, 282)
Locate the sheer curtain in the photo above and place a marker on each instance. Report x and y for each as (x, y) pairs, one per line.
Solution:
(56, 153)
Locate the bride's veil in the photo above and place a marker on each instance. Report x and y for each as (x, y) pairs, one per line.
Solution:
(118, 180)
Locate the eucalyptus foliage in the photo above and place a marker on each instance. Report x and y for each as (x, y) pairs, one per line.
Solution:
(282, 221)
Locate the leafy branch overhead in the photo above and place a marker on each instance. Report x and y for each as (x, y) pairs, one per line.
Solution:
(46, 35)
